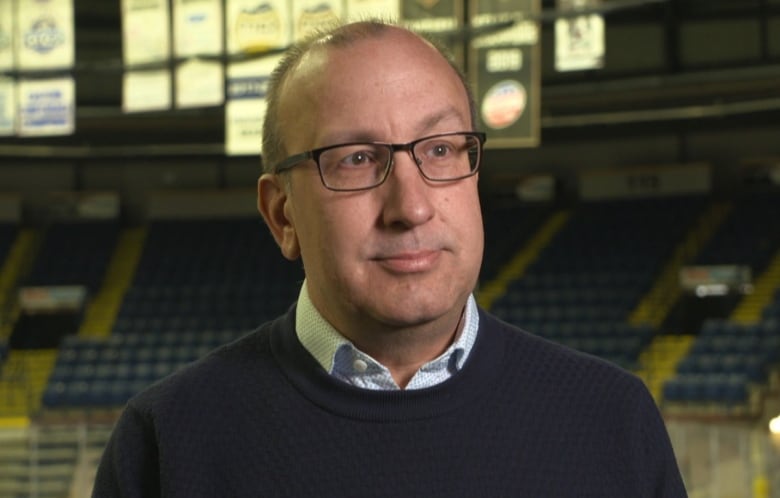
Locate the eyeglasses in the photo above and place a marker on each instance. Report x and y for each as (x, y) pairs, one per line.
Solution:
(445, 157)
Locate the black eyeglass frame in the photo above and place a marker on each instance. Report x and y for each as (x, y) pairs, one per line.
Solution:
(315, 154)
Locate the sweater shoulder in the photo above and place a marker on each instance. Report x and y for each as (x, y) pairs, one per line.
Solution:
(224, 370)
(555, 365)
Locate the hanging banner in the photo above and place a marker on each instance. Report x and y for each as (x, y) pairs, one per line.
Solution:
(45, 32)
(146, 91)
(7, 106)
(245, 107)
(254, 26)
(505, 71)
(363, 9)
(579, 40)
(145, 32)
(312, 15)
(436, 17)
(197, 28)
(200, 84)
(46, 107)
(6, 35)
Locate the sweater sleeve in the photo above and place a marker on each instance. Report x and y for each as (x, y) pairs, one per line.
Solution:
(129, 465)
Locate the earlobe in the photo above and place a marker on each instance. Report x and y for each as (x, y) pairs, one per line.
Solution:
(273, 202)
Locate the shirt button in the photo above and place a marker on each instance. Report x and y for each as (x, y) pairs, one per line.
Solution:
(360, 366)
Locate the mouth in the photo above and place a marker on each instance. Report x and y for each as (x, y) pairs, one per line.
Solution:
(409, 262)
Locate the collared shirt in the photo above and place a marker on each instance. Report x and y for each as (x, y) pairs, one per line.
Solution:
(340, 358)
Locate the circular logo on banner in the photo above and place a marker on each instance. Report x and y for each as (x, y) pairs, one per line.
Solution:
(44, 36)
(503, 104)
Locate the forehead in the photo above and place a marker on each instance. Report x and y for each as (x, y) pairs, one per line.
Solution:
(376, 85)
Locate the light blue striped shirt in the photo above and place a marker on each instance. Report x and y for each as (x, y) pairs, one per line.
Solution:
(339, 357)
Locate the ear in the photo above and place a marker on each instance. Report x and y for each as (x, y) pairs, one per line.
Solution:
(273, 202)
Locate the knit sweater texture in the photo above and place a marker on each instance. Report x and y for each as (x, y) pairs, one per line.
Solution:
(523, 418)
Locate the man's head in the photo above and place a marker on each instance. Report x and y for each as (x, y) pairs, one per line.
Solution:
(407, 252)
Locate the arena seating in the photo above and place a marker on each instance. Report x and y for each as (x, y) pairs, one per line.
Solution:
(199, 284)
(74, 253)
(585, 283)
(7, 234)
(728, 358)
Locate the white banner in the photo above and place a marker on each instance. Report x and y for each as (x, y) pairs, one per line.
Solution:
(579, 41)
(362, 9)
(146, 91)
(7, 106)
(45, 34)
(245, 108)
(197, 27)
(46, 107)
(199, 84)
(145, 31)
(254, 26)
(311, 15)
(6, 35)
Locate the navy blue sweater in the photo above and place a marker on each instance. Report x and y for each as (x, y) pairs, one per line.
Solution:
(523, 418)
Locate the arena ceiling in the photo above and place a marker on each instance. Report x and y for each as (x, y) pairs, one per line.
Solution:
(568, 100)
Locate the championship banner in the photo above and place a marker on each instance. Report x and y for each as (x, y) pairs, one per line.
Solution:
(311, 15)
(505, 71)
(146, 90)
(197, 28)
(45, 34)
(363, 9)
(200, 84)
(7, 106)
(579, 40)
(436, 17)
(145, 32)
(46, 107)
(245, 108)
(6, 35)
(254, 26)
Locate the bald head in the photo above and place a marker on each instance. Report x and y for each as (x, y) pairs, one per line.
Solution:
(307, 57)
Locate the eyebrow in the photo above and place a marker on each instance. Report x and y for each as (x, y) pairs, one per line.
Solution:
(424, 128)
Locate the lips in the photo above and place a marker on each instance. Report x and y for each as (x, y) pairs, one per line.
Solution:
(409, 261)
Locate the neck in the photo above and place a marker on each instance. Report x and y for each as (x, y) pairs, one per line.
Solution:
(404, 350)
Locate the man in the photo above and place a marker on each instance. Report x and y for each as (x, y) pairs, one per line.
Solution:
(385, 379)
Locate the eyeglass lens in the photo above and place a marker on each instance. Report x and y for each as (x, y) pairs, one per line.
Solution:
(357, 166)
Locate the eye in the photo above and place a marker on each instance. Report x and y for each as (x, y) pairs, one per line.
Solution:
(359, 158)
(356, 156)
(440, 149)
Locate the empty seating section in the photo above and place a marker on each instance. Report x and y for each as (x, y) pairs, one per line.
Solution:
(7, 236)
(585, 283)
(199, 284)
(507, 230)
(208, 275)
(748, 236)
(74, 253)
(727, 358)
(92, 372)
(202, 283)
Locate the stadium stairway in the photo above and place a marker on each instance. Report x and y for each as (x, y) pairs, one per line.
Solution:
(23, 380)
(518, 264)
(657, 303)
(19, 260)
(102, 311)
(750, 308)
(659, 361)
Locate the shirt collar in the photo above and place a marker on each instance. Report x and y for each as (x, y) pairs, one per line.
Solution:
(340, 358)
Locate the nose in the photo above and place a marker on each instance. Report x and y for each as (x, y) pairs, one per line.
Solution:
(407, 201)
